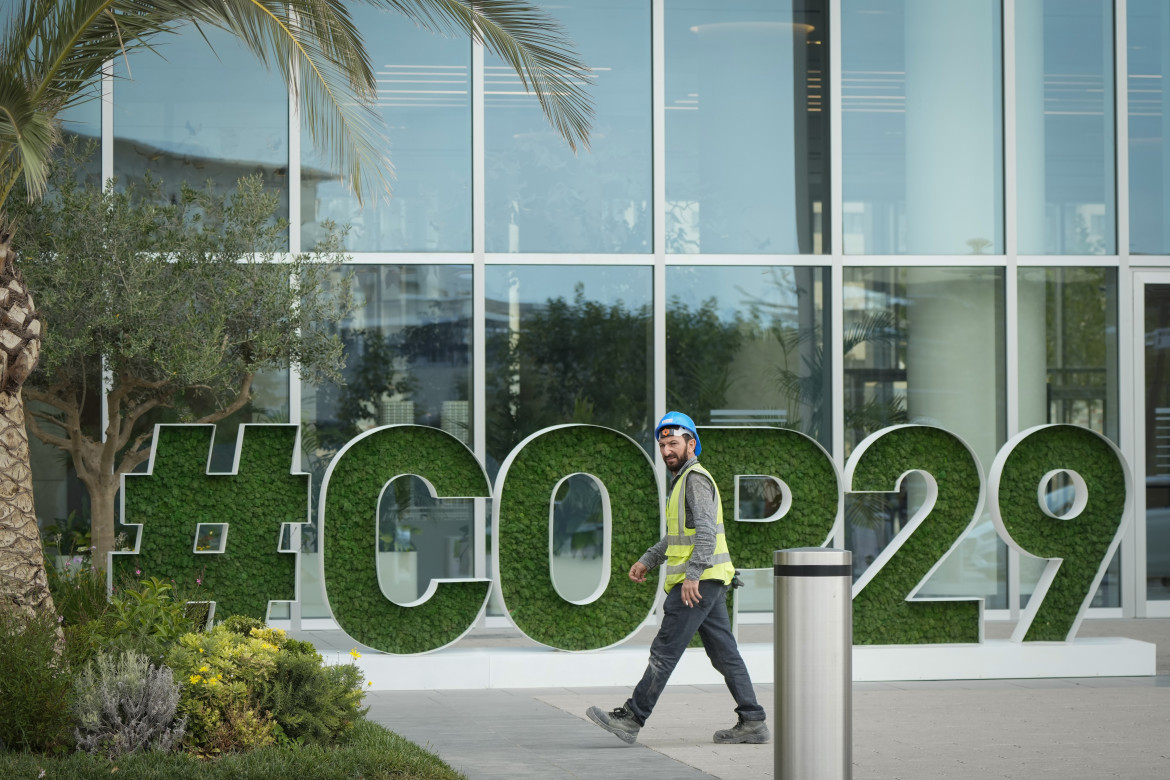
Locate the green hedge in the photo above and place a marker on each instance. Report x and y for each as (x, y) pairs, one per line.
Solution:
(881, 613)
(372, 753)
(178, 494)
(348, 522)
(1082, 543)
(524, 492)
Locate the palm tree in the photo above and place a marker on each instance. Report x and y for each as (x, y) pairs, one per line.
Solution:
(53, 50)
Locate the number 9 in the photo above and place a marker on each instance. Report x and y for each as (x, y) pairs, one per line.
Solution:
(1079, 545)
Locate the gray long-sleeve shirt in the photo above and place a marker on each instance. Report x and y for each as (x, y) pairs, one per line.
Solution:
(701, 515)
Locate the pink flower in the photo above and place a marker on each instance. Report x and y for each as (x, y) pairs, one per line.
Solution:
(137, 572)
(198, 581)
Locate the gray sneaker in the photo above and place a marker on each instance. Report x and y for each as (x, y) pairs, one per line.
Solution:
(620, 722)
(751, 732)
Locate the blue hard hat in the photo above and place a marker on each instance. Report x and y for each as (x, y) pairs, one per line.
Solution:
(679, 420)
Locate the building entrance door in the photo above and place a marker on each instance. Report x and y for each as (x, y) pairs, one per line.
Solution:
(1152, 466)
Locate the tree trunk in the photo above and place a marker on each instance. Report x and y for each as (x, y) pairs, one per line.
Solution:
(23, 583)
(102, 493)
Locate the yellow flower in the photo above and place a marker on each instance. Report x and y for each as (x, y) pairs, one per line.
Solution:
(204, 668)
(196, 678)
(355, 653)
(369, 682)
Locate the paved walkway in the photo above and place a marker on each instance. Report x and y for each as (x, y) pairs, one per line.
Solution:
(1027, 729)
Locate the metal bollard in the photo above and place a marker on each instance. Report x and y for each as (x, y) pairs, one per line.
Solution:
(814, 664)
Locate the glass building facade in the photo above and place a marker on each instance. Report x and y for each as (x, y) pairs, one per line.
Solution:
(827, 215)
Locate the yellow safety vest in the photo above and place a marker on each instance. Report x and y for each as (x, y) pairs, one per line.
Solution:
(679, 542)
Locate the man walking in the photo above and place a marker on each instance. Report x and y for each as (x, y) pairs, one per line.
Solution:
(698, 573)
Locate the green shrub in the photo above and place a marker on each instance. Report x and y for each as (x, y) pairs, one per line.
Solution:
(242, 692)
(124, 704)
(150, 610)
(147, 618)
(312, 703)
(371, 752)
(34, 683)
(219, 671)
(79, 591)
(242, 624)
(83, 643)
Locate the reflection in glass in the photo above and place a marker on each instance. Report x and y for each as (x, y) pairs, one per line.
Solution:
(424, 95)
(578, 539)
(1064, 127)
(746, 126)
(420, 538)
(408, 350)
(60, 499)
(1068, 348)
(81, 124)
(1068, 374)
(926, 346)
(541, 197)
(201, 115)
(1157, 433)
(922, 127)
(567, 344)
(1148, 31)
(744, 346)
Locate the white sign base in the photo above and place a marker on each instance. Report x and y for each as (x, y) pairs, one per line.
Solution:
(477, 668)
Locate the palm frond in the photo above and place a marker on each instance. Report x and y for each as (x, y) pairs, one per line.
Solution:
(528, 39)
(880, 327)
(54, 49)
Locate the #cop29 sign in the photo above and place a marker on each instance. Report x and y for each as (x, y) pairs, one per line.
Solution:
(185, 514)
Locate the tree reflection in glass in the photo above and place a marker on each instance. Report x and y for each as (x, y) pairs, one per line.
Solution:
(577, 355)
(408, 361)
(744, 346)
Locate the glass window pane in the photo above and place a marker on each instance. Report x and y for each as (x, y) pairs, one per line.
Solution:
(1064, 127)
(81, 123)
(541, 197)
(424, 96)
(922, 110)
(746, 126)
(1068, 348)
(567, 344)
(744, 346)
(1156, 433)
(408, 360)
(196, 114)
(1067, 334)
(902, 365)
(1149, 126)
(60, 499)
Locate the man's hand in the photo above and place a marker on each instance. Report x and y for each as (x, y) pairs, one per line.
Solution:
(690, 592)
(638, 572)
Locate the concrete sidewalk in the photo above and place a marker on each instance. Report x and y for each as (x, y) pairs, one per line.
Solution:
(917, 731)
(1067, 728)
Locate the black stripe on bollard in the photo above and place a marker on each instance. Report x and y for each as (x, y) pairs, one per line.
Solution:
(791, 570)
